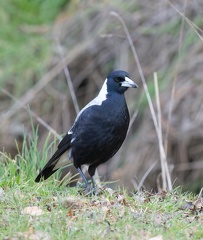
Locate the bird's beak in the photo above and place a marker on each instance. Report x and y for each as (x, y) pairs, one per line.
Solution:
(129, 83)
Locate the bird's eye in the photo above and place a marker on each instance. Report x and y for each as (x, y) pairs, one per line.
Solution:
(117, 79)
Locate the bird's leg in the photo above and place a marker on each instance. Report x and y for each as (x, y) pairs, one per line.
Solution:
(93, 183)
(87, 186)
(91, 171)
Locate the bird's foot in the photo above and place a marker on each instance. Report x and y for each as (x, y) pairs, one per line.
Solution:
(81, 185)
(88, 191)
(88, 188)
(91, 191)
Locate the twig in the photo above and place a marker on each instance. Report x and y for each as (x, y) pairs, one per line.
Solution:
(167, 183)
(132, 119)
(48, 77)
(145, 175)
(193, 25)
(34, 115)
(174, 82)
(68, 78)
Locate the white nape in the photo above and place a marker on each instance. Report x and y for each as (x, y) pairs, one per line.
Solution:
(101, 97)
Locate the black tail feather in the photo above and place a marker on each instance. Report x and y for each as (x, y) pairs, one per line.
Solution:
(45, 173)
(48, 169)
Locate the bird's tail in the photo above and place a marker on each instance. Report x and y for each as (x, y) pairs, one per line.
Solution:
(59, 159)
(45, 173)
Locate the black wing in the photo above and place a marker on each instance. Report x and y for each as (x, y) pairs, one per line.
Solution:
(49, 168)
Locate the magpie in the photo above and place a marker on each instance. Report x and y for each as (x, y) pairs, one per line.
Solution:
(98, 131)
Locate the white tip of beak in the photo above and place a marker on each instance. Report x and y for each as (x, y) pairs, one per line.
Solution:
(129, 83)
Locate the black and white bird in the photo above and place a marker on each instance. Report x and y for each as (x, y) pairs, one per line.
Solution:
(98, 131)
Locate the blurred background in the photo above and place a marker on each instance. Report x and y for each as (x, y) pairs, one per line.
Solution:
(39, 38)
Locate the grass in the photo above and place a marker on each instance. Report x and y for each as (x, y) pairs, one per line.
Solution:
(50, 210)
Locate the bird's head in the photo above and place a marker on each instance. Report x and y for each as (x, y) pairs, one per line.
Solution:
(119, 81)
